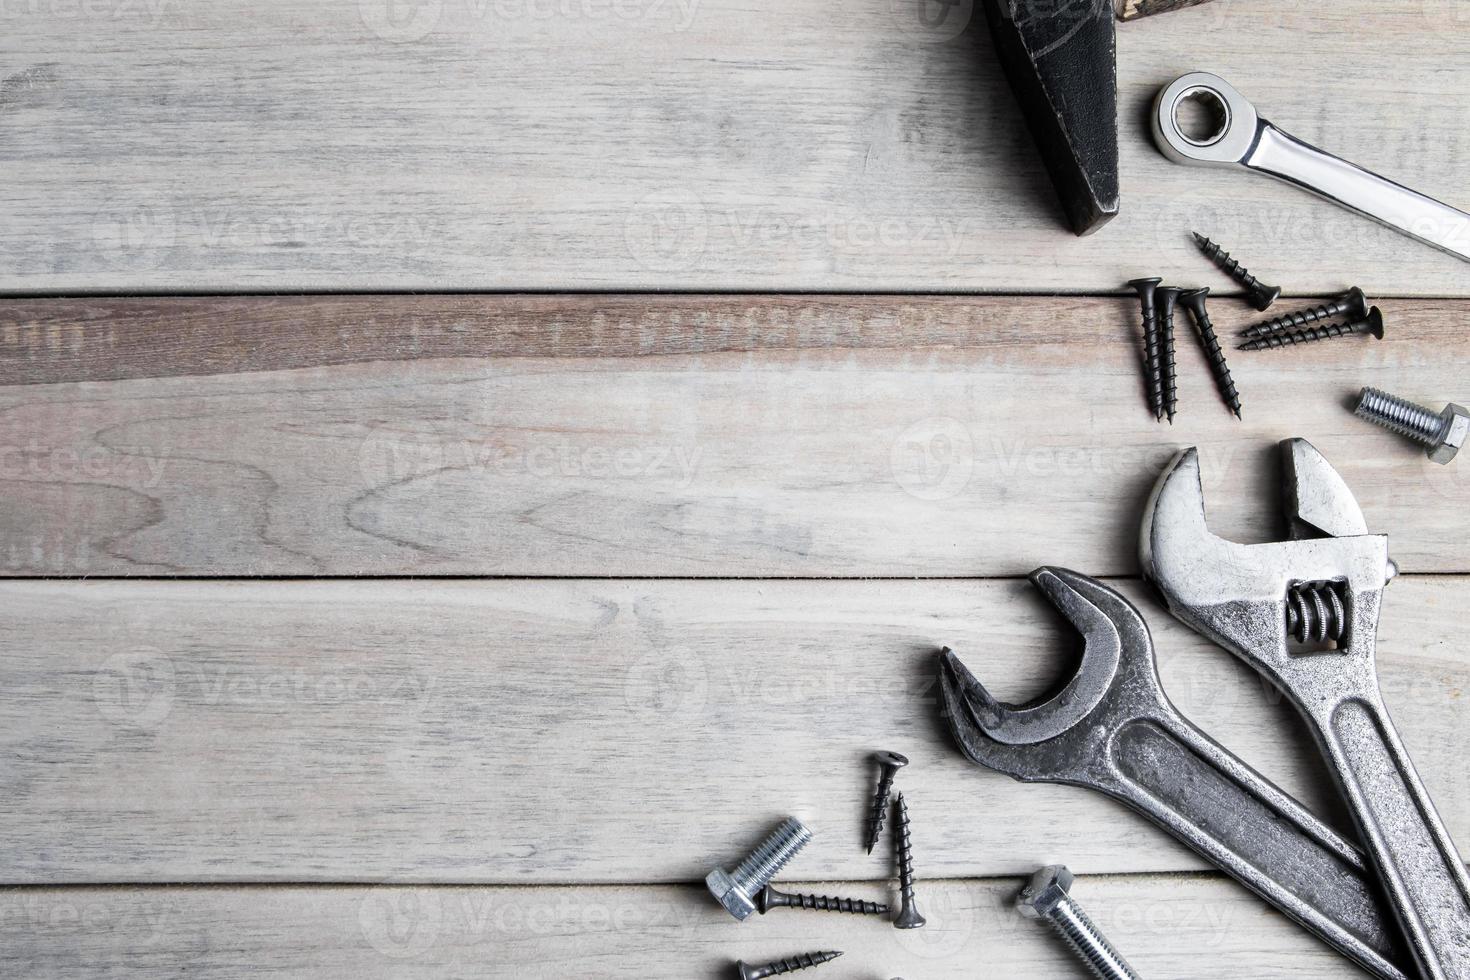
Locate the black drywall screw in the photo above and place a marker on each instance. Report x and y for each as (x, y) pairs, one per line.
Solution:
(1167, 298)
(1152, 370)
(908, 912)
(770, 898)
(1261, 295)
(1194, 301)
(1351, 304)
(791, 964)
(890, 763)
(1372, 325)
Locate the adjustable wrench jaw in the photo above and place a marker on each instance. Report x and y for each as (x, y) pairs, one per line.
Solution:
(1061, 738)
(1236, 594)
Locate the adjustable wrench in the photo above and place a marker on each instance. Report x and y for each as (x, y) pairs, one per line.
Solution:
(1111, 728)
(1242, 138)
(1304, 613)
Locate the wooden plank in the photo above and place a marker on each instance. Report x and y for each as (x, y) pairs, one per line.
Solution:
(654, 436)
(693, 144)
(527, 732)
(1189, 926)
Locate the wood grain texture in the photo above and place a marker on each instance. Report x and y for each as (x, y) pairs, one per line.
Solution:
(657, 436)
(615, 731)
(1167, 927)
(692, 144)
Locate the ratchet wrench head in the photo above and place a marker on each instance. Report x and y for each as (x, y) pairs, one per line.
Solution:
(1230, 141)
(1255, 599)
(1038, 741)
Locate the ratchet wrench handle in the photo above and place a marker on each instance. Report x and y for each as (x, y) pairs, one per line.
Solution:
(1283, 156)
(1406, 840)
(1182, 780)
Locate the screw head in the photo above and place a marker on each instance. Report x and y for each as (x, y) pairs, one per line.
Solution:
(1263, 296)
(909, 918)
(1455, 434)
(748, 972)
(1356, 304)
(1193, 300)
(1145, 288)
(1167, 297)
(1044, 892)
(1374, 320)
(890, 760)
(728, 894)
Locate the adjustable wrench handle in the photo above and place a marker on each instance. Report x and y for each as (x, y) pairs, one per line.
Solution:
(1182, 780)
(1281, 155)
(1423, 875)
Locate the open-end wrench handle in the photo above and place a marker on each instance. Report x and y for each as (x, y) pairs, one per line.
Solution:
(1182, 780)
(1243, 138)
(1403, 833)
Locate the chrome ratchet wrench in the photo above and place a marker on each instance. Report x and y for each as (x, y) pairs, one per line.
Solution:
(1242, 138)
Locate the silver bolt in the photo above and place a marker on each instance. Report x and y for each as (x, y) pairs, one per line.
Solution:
(738, 889)
(1441, 433)
(1045, 897)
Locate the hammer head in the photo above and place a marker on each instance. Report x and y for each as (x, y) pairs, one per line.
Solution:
(1037, 741)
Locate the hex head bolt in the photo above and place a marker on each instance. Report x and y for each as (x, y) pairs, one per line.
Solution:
(1167, 298)
(1352, 304)
(1045, 897)
(1441, 434)
(789, 965)
(736, 890)
(1194, 301)
(908, 912)
(1152, 367)
(1261, 295)
(1371, 325)
(770, 898)
(889, 764)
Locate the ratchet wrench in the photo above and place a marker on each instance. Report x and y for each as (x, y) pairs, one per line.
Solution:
(1304, 613)
(1242, 138)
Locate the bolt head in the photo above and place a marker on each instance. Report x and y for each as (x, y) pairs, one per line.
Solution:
(1459, 427)
(1357, 304)
(890, 760)
(1145, 287)
(1374, 319)
(1167, 297)
(728, 894)
(1194, 301)
(1044, 892)
(747, 972)
(909, 918)
(1264, 296)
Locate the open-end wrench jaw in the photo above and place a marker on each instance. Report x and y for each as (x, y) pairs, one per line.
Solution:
(1115, 646)
(1237, 594)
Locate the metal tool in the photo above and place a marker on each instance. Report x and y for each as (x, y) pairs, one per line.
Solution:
(1111, 728)
(1046, 897)
(1242, 138)
(903, 847)
(737, 890)
(769, 898)
(889, 763)
(776, 968)
(1261, 602)
(1061, 61)
(1442, 434)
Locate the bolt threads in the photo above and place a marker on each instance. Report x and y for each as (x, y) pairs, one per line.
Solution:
(1306, 335)
(802, 961)
(770, 898)
(1261, 295)
(1401, 416)
(757, 870)
(1090, 945)
(1205, 328)
(1153, 363)
(1315, 612)
(1350, 303)
(908, 916)
(880, 808)
(1170, 369)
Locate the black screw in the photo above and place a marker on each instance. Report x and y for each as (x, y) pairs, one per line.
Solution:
(908, 912)
(1351, 304)
(1371, 324)
(770, 898)
(1168, 297)
(1261, 295)
(1152, 369)
(890, 763)
(791, 964)
(1194, 301)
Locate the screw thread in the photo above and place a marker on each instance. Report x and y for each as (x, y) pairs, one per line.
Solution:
(1170, 368)
(1153, 363)
(1315, 612)
(1306, 335)
(791, 964)
(1262, 295)
(1349, 302)
(820, 903)
(1216, 358)
(757, 870)
(880, 809)
(1088, 943)
(1401, 416)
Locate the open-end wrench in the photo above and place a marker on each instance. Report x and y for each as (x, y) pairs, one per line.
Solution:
(1242, 138)
(1111, 728)
(1304, 613)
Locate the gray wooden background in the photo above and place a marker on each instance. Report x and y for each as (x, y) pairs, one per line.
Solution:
(459, 632)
